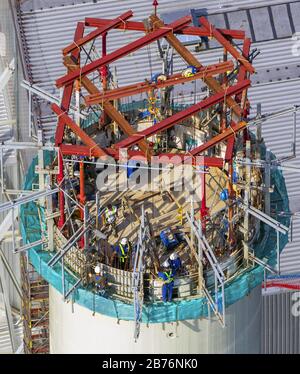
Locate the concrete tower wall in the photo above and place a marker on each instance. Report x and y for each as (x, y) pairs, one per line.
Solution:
(81, 332)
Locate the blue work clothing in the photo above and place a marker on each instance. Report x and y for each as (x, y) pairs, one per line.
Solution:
(167, 288)
(122, 251)
(175, 264)
(168, 239)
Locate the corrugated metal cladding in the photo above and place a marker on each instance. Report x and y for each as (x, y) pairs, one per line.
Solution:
(5, 130)
(5, 343)
(7, 99)
(280, 327)
(276, 83)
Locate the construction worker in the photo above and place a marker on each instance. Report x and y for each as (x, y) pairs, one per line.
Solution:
(175, 262)
(110, 215)
(100, 281)
(190, 71)
(158, 78)
(168, 281)
(123, 253)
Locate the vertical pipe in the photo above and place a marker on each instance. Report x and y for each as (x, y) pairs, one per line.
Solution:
(247, 199)
(258, 128)
(223, 303)
(2, 171)
(192, 218)
(200, 269)
(278, 252)
(104, 68)
(203, 200)
(216, 293)
(81, 186)
(225, 82)
(202, 282)
(29, 114)
(230, 202)
(294, 134)
(267, 180)
(63, 277)
(103, 74)
(60, 178)
(77, 100)
(86, 234)
(155, 4)
(97, 208)
(81, 198)
(13, 229)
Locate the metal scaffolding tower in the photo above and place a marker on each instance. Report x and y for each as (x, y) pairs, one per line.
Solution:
(35, 309)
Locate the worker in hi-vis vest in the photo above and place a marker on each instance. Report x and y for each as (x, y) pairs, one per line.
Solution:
(110, 215)
(167, 277)
(123, 253)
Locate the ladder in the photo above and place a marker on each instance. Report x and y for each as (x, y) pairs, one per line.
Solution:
(218, 272)
(143, 244)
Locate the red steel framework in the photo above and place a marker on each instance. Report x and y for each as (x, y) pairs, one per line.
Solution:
(232, 97)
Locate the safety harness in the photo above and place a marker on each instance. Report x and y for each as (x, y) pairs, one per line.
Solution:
(169, 277)
(109, 214)
(124, 254)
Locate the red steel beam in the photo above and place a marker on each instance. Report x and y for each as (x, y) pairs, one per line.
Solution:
(139, 26)
(100, 31)
(79, 150)
(109, 109)
(68, 89)
(76, 129)
(121, 52)
(179, 117)
(163, 158)
(235, 127)
(227, 45)
(242, 96)
(173, 80)
(229, 149)
(65, 105)
(242, 71)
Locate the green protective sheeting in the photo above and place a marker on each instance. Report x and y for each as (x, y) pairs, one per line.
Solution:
(156, 312)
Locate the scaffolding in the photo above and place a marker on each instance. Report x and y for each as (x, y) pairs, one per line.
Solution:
(35, 309)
